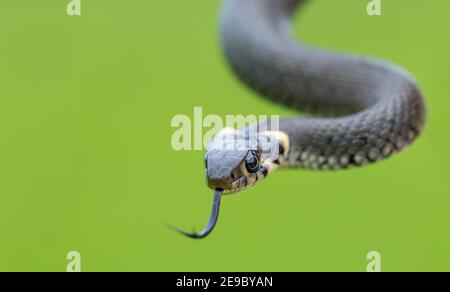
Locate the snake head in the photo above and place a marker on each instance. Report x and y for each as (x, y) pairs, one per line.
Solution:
(236, 160)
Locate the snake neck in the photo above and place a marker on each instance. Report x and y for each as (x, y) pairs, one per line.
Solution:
(365, 110)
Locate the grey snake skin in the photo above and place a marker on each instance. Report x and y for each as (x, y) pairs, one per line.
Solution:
(366, 109)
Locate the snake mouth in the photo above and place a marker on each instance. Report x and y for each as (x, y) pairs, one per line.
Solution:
(229, 185)
(232, 191)
(238, 185)
(227, 188)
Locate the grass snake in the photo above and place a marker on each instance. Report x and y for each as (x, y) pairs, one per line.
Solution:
(362, 110)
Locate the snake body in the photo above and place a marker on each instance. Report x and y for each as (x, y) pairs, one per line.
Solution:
(377, 107)
(364, 109)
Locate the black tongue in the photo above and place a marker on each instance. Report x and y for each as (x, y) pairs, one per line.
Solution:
(212, 219)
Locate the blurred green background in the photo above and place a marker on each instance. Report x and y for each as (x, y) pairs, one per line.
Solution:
(86, 162)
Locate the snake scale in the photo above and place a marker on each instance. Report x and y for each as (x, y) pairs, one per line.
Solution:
(362, 110)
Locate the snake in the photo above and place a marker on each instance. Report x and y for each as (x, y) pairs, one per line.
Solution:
(358, 110)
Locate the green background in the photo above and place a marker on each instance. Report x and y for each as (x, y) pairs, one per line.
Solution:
(86, 162)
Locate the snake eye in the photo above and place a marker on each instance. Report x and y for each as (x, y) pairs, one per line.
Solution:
(251, 162)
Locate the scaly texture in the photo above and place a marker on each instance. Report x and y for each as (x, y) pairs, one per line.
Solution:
(367, 109)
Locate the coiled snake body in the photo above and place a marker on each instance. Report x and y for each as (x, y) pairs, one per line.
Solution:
(366, 109)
